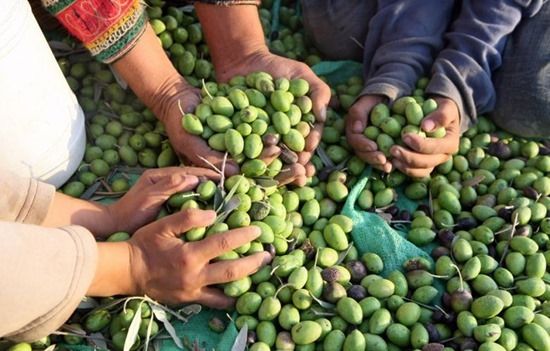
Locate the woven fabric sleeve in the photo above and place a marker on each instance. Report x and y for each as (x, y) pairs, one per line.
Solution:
(108, 28)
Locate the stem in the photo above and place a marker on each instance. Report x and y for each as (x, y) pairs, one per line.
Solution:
(459, 275)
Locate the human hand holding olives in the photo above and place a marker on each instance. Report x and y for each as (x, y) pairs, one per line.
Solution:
(356, 122)
(141, 204)
(237, 46)
(423, 154)
(156, 262)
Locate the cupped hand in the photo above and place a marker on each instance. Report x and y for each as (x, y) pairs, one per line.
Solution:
(176, 99)
(173, 271)
(356, 122)
(141, 204)
(278, 66)
(422, 155)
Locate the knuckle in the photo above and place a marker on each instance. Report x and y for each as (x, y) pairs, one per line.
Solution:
(230, 273)
(223, 243)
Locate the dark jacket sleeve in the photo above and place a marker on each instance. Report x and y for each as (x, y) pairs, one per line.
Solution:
(402, 41)
(475, 42)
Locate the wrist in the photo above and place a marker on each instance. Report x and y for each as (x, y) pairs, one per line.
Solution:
(113, 271)
(165, 96)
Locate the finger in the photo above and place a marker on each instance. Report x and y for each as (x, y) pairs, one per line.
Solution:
(300, 181)
(314, 137)
(377, 160)
(320, 95)
(445, 145)
(445, 116)
(215, 298)
(288, 174)
(158, 174)
(215, 245)
(227, 271)
(200, 172)
(171, 184)
(359, 142)
(304, 157)
(310, 170)
(270, 153)
(358, 115)
(183, 221)
(411, 159)
(412, 172)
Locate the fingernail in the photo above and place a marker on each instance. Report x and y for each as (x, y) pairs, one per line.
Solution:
(267, 258)
(323, 114)
(394, 152)
(407, 139)
(357, 127)
(429, 125)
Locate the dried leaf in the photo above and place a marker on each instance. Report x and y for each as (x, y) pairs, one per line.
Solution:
(266, 182)
(133, 329)
(386, 217)
(474, 181)
(343, 255)
(324, 157)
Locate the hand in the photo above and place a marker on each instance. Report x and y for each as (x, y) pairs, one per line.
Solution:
(356, 122)
(177, 98)
(142, 203)
(427, 153)
(172, 271)
(277, 66)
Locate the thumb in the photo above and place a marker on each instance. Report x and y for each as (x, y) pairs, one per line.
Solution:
(171, 184)
(442, 117)
(320, 96)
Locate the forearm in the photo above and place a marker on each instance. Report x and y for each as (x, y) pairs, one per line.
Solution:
(112, 275)
(66, 210)
(403, 39)
(232, 33)
(475, 42)
(149, 73)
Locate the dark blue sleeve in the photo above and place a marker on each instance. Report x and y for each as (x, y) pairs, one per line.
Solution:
(474, 45)
(404, 36)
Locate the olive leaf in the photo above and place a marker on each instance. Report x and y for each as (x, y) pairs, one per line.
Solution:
(98, 341)
(191, 309)
(324, 304)
(240, 340)
(148, 335)
(474, 181)
(133, 329)
(87, 303)
(50, 348)
(343, 255)
(160, 314)
(324, 157)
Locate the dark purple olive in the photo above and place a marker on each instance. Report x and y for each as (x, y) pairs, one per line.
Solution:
(357, 292)
(433, 334)
(443, 317)
(499, 150)
(330, 274)
(446, 237)
(468, 344)
(393, 210)
(466, 223)
(357, 270)
(446, 299)
(544, 151)
(439, 251)
(461, 300)
(405, 215)
(271, 139)
(530, 192)
(492, 251)
(270, 248)
(506, 213)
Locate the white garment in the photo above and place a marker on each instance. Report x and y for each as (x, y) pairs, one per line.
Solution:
(42, 131)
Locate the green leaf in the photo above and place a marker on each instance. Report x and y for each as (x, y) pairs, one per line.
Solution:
(160, 314)
(133, 330)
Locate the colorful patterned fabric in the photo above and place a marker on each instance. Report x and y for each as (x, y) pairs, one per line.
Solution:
(108, 28)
